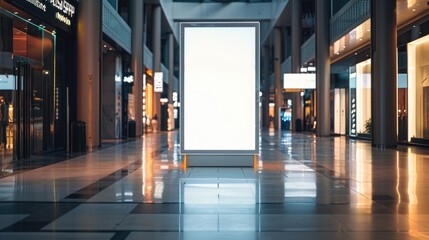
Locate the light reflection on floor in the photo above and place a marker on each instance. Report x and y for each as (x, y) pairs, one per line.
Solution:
(302, 187)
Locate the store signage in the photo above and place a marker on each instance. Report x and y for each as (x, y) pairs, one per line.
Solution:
(57, 103)
(299, 81)
(60, 13)
(7, 82)
(117, 78)
(158, 82)
(129, 79)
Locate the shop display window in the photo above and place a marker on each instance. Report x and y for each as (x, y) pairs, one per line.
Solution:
(418, 85)
(360, 99)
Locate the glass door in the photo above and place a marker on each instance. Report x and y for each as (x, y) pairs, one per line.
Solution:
(28, 110)
(7, 102)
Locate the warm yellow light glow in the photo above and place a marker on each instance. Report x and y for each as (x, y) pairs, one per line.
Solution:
(411, 3)
(398, 179)
(149, 100)
(363, 94)
(363, 171)
(415, 107)
(412, 179)
(149, 72)
(411, 90)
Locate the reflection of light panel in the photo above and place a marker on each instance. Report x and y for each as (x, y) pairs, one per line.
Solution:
(300, 189)
(299, 81)
(219, 193)
(220, 94)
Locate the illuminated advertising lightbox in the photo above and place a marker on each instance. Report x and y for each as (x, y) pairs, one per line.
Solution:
(158, 82)
(219, 88)
(299, 81)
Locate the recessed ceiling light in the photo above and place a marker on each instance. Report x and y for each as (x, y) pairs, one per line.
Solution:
(15, 13)
(29, 19)
(413, 9)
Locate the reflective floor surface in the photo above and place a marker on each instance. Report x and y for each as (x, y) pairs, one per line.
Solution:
(302, 187)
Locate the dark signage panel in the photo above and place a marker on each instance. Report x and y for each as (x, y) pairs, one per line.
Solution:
(59, 13)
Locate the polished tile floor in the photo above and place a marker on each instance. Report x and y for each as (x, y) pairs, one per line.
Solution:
(301, 188)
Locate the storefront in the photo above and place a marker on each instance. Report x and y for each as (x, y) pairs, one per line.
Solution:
(37, 65)
(114, 78)
(360, 99)
(418, 90)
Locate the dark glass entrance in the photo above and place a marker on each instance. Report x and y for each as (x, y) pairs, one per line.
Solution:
(28, 110)
(29, 93)
(21, 109)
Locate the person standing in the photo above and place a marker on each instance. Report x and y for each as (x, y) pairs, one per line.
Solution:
(4, 108)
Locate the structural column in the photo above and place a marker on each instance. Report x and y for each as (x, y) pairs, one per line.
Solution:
(136, 10)
(323, 70)
(156, 44)
(296, 58)
(170, 67)
(88, 69)
(384, 73)
(266, 87)
(277, 77)
(287, 42)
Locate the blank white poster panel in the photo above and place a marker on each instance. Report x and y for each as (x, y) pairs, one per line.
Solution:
(299, 81)
(219, 88)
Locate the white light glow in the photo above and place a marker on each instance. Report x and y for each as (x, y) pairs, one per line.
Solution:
(219, 88)
(129, 79)
(311, 69)
(158, 79)
(299, 81)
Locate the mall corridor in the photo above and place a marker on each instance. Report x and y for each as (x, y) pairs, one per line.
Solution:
(301, 188)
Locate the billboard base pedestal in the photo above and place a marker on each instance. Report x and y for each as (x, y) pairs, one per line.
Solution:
(219, 161)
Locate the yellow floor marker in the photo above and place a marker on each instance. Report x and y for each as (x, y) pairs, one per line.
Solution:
(255, 162)
(185, 162)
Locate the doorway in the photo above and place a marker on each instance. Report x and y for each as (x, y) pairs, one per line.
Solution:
(21, 109)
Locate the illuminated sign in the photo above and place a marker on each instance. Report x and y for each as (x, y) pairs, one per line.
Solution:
(60, 13)
(299, 81)
(117, 78)
(158, 82)
(219, 120)
(129, 79)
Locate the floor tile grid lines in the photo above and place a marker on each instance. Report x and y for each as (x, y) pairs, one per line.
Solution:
(94, 188)
(23, 224)
(322, 170)
(354, 214)
(40, 161)
(38, 219)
